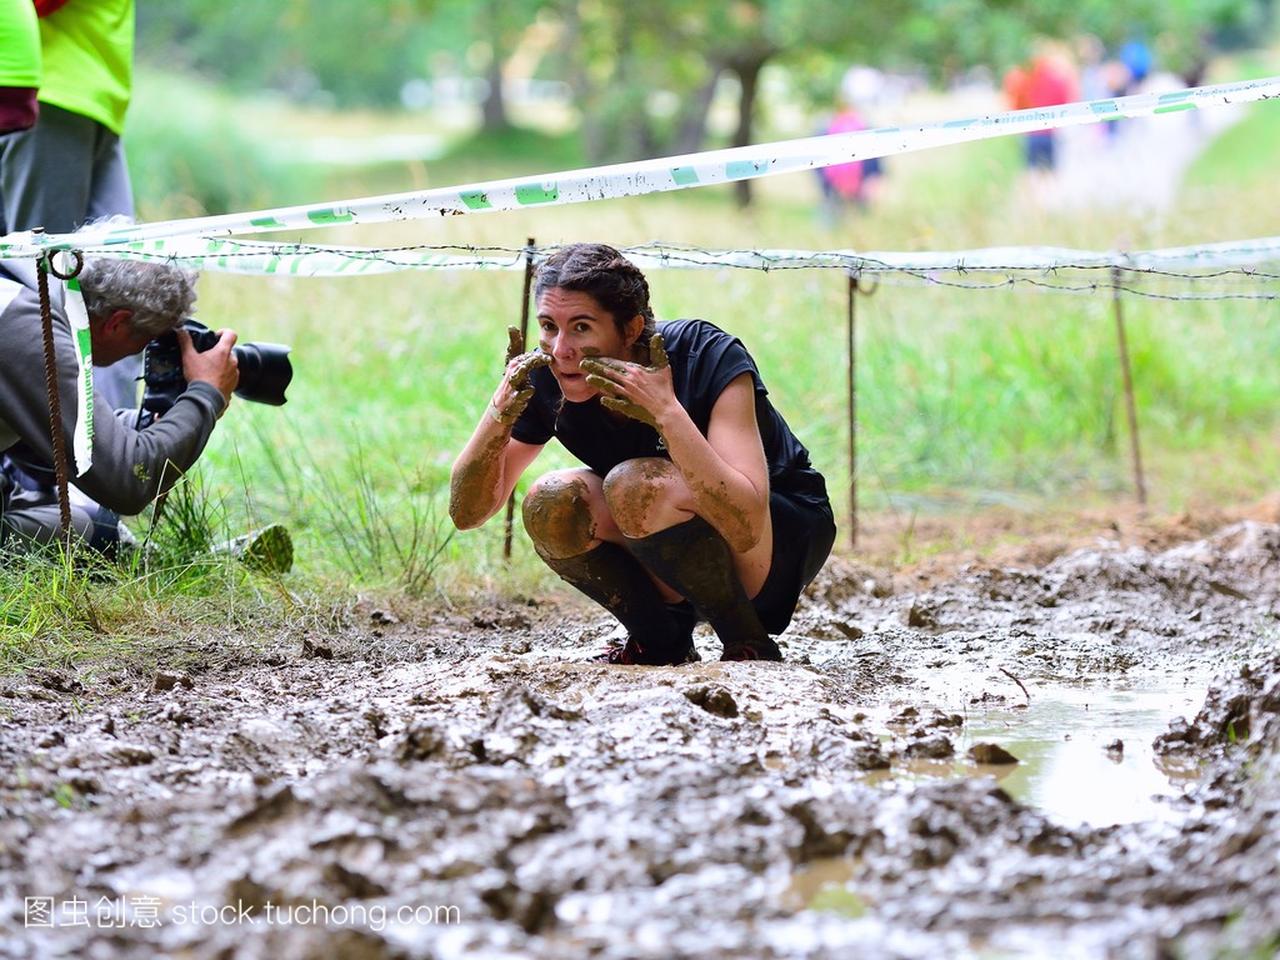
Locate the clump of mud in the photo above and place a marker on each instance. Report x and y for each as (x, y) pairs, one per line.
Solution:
(485, 789)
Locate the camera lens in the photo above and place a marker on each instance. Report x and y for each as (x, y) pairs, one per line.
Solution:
(265, 372)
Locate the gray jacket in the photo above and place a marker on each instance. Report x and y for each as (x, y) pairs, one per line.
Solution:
(128, 464)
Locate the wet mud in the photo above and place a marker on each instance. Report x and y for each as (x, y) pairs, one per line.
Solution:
(886, 791)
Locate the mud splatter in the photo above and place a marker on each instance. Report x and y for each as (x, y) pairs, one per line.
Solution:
(562, 808)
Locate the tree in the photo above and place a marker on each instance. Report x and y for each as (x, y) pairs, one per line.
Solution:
(300, 47)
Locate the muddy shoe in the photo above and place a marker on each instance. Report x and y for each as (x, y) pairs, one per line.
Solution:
(764, 649)
(269, 550)
(629, 653)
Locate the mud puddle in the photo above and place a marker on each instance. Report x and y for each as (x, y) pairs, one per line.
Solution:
(472, 785)
(1083, 756)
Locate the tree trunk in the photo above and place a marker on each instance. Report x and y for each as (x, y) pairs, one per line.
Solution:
(494, 109)
(693, 128)
(748, 70)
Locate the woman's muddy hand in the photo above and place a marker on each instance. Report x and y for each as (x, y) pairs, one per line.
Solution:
(515, 344)
(642, 393)
(515, 391)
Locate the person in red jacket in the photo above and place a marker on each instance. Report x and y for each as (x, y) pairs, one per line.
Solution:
(1048, 81)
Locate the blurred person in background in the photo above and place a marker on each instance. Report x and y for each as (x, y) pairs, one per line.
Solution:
(19, 70)
(68, 167)
(1047, 81)
(851, 185)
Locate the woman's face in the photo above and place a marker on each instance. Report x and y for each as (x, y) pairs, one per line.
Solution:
(573, 325)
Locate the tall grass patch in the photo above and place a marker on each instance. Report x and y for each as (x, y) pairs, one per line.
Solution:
(965, 396)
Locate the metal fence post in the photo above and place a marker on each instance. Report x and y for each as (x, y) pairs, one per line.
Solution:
(1131, 406)
(524, 338)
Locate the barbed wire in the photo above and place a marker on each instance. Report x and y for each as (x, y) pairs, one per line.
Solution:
(681, 254)
(1050, 276)
(1011, 282)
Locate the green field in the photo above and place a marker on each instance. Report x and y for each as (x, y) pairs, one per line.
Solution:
(967, 398)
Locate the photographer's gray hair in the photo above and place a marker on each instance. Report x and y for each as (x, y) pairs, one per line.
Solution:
(158, 294)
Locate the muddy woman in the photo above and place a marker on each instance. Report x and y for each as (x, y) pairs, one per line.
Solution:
(695, 501)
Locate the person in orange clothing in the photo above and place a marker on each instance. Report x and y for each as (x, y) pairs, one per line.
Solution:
(1048, 81)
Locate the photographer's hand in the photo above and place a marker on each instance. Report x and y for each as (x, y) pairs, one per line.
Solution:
(217, 366)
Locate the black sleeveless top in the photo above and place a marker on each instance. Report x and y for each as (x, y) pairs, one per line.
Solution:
(704, 360)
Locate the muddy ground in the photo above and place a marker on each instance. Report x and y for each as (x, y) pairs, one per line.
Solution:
(473, 786)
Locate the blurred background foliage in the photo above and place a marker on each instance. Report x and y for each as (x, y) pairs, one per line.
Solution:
(627, 80)
(969, 400)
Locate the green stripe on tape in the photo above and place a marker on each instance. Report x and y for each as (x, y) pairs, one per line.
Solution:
(73, 284)
(740, 169)
(1175, 108)
(1174, 96)
(950, 124)
(266, 222)
(85, 342)
(1104, 106)
(476, 199)
(537, 193)
(684, 176)
(327, 215)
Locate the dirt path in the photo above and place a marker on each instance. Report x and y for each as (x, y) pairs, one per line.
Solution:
(1140, 164)
(473, 786)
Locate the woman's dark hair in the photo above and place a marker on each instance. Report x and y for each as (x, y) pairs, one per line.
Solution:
(601, 271)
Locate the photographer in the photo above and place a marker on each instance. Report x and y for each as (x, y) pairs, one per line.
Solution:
(128, 304)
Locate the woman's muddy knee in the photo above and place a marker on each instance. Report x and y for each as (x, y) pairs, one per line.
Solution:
(557, 515)
(638, 494)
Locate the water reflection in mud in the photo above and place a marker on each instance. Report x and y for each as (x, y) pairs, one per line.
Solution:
(1070, 766)
(1066, 770)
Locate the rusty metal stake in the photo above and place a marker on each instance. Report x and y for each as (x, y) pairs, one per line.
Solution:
(55, 404)
(524, 338)
(852, 355)
(855, 287)
(1130, 405)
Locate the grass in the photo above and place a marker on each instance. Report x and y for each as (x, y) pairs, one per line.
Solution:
(1242, 156)
(965, 398)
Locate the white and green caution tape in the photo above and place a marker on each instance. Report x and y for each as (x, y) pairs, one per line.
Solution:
(315, 260)
(653, 176)
(148, 241)
(78, 317)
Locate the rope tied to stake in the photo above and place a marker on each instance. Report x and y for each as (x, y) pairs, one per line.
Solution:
(45, 267)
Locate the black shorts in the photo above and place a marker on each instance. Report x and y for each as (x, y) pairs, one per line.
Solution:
(803, 534)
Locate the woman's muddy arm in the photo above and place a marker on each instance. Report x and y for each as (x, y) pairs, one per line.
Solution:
(486, 471)
(726, 471)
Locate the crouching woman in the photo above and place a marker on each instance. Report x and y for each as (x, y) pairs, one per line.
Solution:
(695, 500)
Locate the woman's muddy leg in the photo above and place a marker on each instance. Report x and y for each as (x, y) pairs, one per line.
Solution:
(566, 517)
(690, 555)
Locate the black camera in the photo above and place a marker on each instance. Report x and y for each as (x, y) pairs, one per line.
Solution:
(265, 370)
